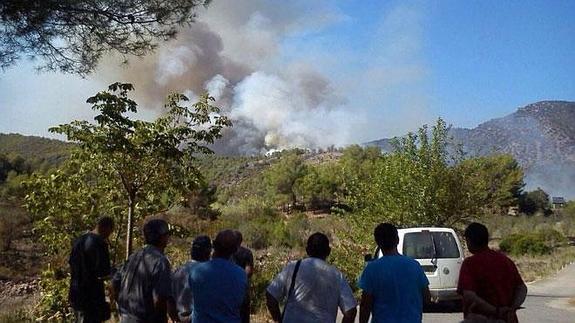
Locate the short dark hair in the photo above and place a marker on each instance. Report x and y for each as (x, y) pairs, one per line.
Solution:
(477, 234)
(105, 222)
(226, 243)
(201, 248)
(154, 230)
(386, 236)
(318, 245)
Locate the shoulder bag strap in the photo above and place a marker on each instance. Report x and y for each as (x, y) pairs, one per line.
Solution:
(291, 287)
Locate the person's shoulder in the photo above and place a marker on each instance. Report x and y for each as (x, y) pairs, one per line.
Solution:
(244, 250)
(92, 240)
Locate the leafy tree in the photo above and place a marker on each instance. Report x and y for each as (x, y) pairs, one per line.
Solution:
(356, 165)
(416, 185)
(495, 182)
(71, 36)
(535, 201)
(145, 166)
(321, 186)
(284, 176)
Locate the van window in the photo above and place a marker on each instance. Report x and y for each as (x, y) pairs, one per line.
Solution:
(420, 245)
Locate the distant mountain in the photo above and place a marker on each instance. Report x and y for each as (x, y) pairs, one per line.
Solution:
(541, 136)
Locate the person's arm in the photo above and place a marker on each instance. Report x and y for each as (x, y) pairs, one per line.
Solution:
(519, 295)
(349, 316)
(509, 313)
(347, 302)
(479, 305)
(365, 307)
(245, 309)
(162, 296)
(172, 309)
(273, 307)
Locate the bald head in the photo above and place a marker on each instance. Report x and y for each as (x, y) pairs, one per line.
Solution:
(225, 244)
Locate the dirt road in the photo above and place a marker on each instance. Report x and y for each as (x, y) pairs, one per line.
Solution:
(547, 301)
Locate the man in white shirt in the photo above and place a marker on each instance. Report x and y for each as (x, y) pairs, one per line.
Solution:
(319, 288)
(200, 252)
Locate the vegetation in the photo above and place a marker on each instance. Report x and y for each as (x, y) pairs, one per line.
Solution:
(535, 202)
(72, 36)
(121, 167)
(276, 201)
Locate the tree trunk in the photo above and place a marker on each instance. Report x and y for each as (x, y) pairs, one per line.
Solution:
(131, 204)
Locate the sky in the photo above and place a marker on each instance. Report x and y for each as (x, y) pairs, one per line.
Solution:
(315, 73)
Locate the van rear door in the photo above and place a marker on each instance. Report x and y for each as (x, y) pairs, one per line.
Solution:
(419, 246)
(449, 257)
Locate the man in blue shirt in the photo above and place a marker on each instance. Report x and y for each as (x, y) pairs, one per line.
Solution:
(219, 286)
(394, 286)
(200, 252)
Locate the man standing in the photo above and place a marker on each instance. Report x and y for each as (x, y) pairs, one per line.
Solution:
(200, 252)
(219, 286)
(89, 267)
(244, 258)
(143, 284)
(314, 292)
(394, 286)
(489, 281)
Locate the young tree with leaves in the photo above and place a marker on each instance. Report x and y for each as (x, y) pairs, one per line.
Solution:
(147, 164)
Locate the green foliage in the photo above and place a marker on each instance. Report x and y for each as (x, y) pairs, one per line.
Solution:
(36, 151)
(495, 182)
(414, 186)
(119, 165)
(525, 244)
(53, 304)
(150, 163)
(284, 177)
(536, 201)
(73, 36)
(321, 186)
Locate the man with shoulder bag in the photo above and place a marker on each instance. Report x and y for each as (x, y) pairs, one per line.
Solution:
(313, 290)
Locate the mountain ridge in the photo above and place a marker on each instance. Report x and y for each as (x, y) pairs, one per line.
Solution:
(540, 136)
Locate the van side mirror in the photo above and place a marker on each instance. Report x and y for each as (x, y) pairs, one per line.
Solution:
(367, 257)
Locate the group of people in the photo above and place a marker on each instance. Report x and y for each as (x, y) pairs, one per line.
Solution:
(214, 285)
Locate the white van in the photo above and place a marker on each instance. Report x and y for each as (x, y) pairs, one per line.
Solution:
(440, 254)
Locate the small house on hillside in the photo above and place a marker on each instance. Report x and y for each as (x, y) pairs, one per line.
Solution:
(558, 202)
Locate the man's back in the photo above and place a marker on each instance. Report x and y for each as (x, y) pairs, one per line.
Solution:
(89, 263)
(146, 275)
(319, 290)
(396, 283)
(491, 275)
(219, 287)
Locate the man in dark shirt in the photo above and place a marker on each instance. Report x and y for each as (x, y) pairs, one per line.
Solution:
(143, 285)
(489, 281)
(89, 266)
(244, 258)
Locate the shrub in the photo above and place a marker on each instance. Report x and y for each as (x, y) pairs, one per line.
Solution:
(525, 244)
(53, 304)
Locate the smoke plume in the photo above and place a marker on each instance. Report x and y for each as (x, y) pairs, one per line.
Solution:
(232, 52)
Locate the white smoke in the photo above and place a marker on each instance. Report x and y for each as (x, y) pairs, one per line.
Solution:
(234, 51)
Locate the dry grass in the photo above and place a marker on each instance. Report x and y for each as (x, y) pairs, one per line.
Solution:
(537, 267)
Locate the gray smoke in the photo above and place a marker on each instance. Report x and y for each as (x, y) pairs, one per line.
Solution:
(232, 52)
